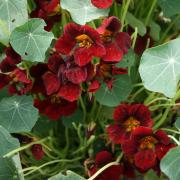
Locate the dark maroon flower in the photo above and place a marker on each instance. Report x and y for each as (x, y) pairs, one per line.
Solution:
(127, 118)
(112, 173)
(116, 43)
(37, 151)
(81, 41)
(102, 4)
(145, 146)
(54, 107)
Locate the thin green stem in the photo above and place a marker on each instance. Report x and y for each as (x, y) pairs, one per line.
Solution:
(150, 12)
(174, 139)
(171, 130)
(124, 13)
(134, 37)
(137, 93)
(83, 108)
(157, 99)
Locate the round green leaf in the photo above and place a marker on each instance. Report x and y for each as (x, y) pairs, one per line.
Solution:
(7, 142)
(170, 7)
(83, 11)
(121, 88)
(13, 13)
(70, 176)
(17, 113)
(170, 164)
(160, 68)
(31, 41)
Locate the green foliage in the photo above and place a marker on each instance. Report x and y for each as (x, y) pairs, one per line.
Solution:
(170, 7)
(12, 14)
(17, 113)
(121, 88)
(83, 11)
(177, 123)
(31, 41)
(70, 176)
(170, 164)
(160, 68)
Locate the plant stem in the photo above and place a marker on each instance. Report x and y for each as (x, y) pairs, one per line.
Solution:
(124, 13)
(174, 139)
(171, 130)
(134, 36)
(150, 12)
(83, 108)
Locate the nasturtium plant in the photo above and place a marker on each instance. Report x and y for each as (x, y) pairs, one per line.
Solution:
(17, 113)
(160, 68)
(170, 164)
(177, 123)
(69, 176)
(12, 14)
(7, 142)
(82, 11)
(31, 41)
(169, 7)
(121, 88)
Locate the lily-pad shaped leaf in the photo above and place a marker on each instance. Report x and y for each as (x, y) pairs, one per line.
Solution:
(69, 176)
(7, 142)
(31, 41)
(170, 7)
(17, 113)
(121, 88)
(160, 68)
(83, 11)
(12, 14)
(170, 164)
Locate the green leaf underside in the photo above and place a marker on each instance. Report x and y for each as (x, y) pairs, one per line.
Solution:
(17, 113)
(7, 142)
(83, 11)
(170, 164)
(121, 88)
(134, 22)
(31, 41)
(170, 7)
(70, 176)
(13, 13)
(160, 68)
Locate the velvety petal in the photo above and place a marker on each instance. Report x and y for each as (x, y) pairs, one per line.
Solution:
(38, 70)
(145, 159)
(113, 53)
(37, 151)
(49, 6)
(123, 41)
(4, 80)
(117, 134)
(76, 75)
(103, 158)
(6, 66)
(98, 50)
(51, 82)
(70, 92)
(117, 71)
(129, 147)
(65, 44)
(90, 71)
(121, 113)
(54, 62)
(162, 137)
(94, 86)
(102, 4)
(162, 149)
(12, 56)
(21, 76)
(72, 30)
(83, 56)
(112, 24)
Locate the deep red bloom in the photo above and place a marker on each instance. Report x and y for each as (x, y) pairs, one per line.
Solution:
(55, 107)
(37, 151)
(116, 43)
(94, 86)
(102, 4)
(81, 41)
(127, 118)
(112, 173)
(47, 10)
(145, 146)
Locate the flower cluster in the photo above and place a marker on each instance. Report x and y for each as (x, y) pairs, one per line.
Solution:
(142, 146)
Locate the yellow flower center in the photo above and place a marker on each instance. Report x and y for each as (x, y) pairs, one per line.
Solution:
(84, 41)
(147, 142)
(106, 36)
(131, 124)
(55, 99)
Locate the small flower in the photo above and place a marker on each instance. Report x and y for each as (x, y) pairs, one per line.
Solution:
(37, 151)
(116, 43)
(102, 4)
(145, 146)
(127, 118)
(81, 41)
